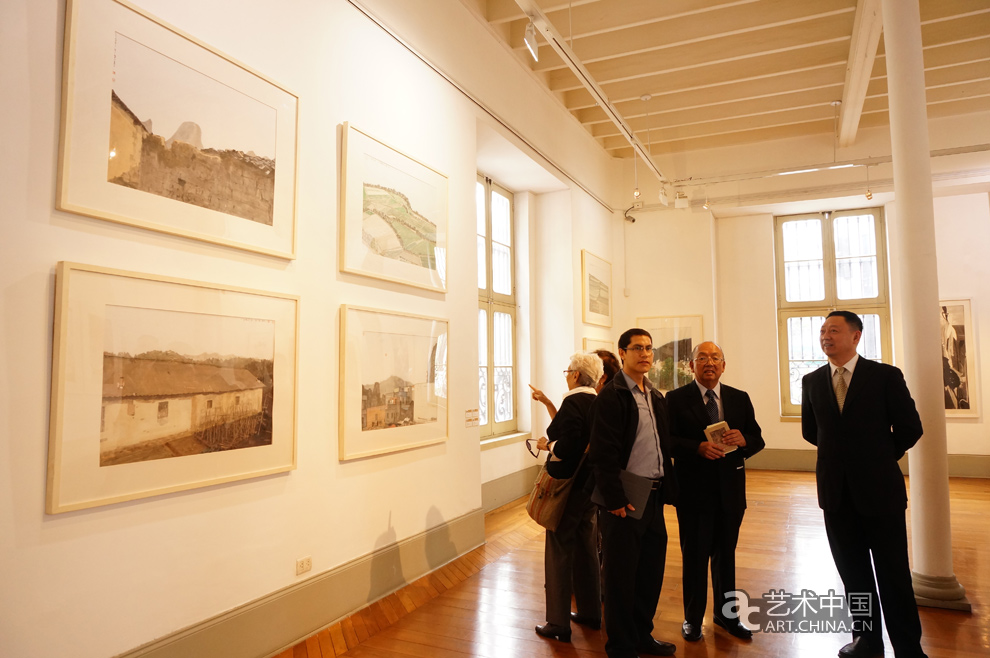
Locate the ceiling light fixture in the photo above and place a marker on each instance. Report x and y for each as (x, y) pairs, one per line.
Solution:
(706, 205)
(681, 200)
(869, 194)
(529, 38)
(663, 197)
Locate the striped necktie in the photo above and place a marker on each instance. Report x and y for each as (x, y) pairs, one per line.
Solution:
(839, 383)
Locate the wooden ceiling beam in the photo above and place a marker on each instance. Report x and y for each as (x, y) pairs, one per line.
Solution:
(862, 52)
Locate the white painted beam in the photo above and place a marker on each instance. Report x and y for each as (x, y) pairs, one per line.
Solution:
(867, 28)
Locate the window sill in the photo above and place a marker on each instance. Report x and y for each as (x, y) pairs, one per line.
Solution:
(504, 440)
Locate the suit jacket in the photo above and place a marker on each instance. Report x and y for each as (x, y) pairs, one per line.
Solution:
(570, 429)
(613, 433)
(860, 445)
(706, 482)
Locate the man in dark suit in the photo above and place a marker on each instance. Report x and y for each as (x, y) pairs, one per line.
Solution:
(712, 479)
(861, 416)
(631, 433)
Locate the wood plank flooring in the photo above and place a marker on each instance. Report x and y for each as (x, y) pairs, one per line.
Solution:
(487, 602)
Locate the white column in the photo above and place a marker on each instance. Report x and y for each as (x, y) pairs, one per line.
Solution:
(912, 240)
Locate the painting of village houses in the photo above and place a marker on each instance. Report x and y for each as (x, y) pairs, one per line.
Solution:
(179, 384)
(178, 133)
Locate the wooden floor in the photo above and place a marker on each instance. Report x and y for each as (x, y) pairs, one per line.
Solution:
(487, 602)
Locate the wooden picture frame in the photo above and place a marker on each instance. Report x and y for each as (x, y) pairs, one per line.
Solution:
(959, 373)
(393, 381)
(393, 223)
(674, 338)
(596, 290)
(161, 131)
(162, 384)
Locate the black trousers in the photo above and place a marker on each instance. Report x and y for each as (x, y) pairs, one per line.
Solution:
(707, 533)
(571, 562)
(854, 538)
(634, 553)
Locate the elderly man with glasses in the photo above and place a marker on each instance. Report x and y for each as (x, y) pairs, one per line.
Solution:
(712, 476)
(631, 456)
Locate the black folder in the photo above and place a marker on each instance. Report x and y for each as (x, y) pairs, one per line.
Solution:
(637, 489)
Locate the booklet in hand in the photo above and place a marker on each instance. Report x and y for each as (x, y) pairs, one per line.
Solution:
(714, 434)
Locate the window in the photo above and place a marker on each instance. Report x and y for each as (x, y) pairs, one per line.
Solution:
(825, 262)
(496, 310)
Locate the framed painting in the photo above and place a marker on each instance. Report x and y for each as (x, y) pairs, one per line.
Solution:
(596, 290)
(161, 385)
(161, 131)
(959, 359)
(674, 338)
(393, 214)
(393, 383)
(592, 344)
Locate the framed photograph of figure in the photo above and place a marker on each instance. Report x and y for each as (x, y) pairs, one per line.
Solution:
(162, 384)
(596, 290)
(393, 382)
(164, 132)
(959, 359)
(592, 344)
(674, 338)
(393, 214)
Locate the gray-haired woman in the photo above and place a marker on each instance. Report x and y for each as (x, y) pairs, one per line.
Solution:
(571, 554)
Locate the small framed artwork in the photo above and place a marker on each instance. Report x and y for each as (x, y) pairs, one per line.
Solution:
(674, 338)
(593, 344)
(959, 359)
(393, 382)
(596, 290)
(393, 214)
(164, 132)
(161, 385)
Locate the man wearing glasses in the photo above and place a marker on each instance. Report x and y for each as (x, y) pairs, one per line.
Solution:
(712, 476)
(630, 445)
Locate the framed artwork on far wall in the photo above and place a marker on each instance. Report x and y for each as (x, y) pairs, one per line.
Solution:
(596, 290)
(162, 131)
(393, 381)
(674, 338)
(393, 223)
(959, 374)
(162, 384)
(592, 344)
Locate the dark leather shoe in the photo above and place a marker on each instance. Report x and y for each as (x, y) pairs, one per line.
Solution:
(735, 628)
(861, 648)
(655, 647)
(554, 632)
(593, 624)
(691, 632)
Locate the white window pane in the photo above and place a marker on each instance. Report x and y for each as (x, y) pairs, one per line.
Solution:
(798, 370)
(482, 396)
(804, 281)
(482, 263)
(501, 269)
(502, 338)
(501, 219)
(802, 240)
(503, 394)
(869, 344)
(856, 278)
(854, 236)
(482, 337)
(804, 352)
(479, 199)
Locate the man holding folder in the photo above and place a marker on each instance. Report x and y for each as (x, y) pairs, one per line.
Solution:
(630, 453)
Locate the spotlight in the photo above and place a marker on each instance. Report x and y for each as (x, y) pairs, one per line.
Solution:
(706, 205)
(529, 38)
(663, 197)
(636, 193)
(681, 200)
(869, 195)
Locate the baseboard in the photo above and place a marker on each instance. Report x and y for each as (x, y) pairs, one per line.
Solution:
(277, 621)
(508, 488)
(770, 459)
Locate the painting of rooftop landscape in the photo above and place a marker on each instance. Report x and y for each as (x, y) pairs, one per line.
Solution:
(180, 134)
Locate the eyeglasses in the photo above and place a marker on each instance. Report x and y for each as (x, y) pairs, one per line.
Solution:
(567, 372)
(714, 360)
(639, 348)
(529, 446)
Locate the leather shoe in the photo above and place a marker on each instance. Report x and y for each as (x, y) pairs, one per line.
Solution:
(861, 648)
(656, 647)
(691, 632)
(593, 624)
(554, 632)
(734, 627)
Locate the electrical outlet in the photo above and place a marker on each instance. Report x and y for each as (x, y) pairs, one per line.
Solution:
(303, 565)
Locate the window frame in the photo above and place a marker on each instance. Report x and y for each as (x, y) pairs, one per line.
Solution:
(879, 305)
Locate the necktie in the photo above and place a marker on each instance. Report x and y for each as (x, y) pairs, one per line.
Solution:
(839, 383)
(711, 407)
